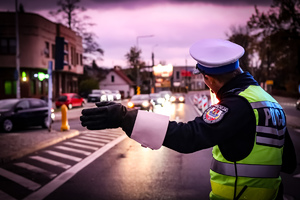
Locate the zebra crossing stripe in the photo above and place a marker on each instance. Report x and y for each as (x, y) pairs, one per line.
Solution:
(88, 142)
(80, 145)
(297, 176)
(86, 153)
(5, 196)
(95, 139)
(36, 169)
(51, 162)
(100, 136)
(62, 155)
(29, 184)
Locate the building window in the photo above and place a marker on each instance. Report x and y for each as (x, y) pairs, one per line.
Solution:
(40, 87)
(53, 51)
(10, 87)
(73, 56)
(76, 61)
(66, 56)
(112, 79)
(80, 59)
(33, 87)
(7, 46)
(177, 74)
(47, 50)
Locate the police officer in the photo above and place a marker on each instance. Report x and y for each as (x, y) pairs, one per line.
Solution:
(247, 128)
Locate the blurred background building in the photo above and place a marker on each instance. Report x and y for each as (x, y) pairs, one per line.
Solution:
(37, 40)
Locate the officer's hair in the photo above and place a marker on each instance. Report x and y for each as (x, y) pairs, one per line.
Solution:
(227, 76)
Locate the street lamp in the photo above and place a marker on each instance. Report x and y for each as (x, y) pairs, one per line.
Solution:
(137, 68)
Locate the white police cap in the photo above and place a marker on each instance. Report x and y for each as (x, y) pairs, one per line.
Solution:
(216, 56)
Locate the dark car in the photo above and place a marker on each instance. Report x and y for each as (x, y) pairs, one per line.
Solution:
(70, 100)
(142, 102)
(23, 113)
(177, 98)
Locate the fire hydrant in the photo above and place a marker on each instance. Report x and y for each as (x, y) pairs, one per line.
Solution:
(64, 119)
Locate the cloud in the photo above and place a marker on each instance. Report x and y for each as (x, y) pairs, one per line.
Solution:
(34, 5)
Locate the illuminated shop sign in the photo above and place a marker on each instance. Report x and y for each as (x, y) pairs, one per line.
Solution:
(41, 76)
(163, 70)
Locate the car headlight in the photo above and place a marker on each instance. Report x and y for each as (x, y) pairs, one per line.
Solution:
(145, 104)
(103, 98)
(130, 104)
(181, 98)
(172, 99)
(160, 100)
(52, 116)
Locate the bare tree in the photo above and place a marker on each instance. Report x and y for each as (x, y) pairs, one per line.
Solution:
(68, 14)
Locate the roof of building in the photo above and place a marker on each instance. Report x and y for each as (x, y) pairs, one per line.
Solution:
(123, 76)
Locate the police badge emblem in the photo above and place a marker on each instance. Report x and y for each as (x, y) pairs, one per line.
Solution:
(214, 114)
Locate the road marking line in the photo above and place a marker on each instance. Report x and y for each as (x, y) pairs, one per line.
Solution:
(88, 142)
(65, 176)
(86, 153)
(80, 145)
(62, 155)
(36, 169)
(29, 184)
(51, 162)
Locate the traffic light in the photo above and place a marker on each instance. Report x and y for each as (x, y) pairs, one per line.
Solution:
(138, 90)
(60, 53)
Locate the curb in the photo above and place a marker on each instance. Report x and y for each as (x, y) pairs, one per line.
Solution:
(30, 147)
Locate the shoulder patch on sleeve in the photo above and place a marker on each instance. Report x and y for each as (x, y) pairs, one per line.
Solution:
(214, 114)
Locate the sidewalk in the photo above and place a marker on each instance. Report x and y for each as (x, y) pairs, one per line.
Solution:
(17, 145)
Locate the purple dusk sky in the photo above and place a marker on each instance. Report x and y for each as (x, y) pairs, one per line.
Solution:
(174, 24)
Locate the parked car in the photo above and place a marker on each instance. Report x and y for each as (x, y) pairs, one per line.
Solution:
(116, 94)
(177, 98)
(142, 102)
(25, 112)
(97, 96)
(157, 99)
(298, 104)
(70, 100)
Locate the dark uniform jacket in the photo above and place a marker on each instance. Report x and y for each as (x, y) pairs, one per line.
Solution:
(234, 133)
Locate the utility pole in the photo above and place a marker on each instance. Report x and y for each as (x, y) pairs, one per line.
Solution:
(17, 73)
(138, 67)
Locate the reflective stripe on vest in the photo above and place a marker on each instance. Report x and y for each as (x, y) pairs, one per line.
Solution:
(263, 104)
(270, 133)
(253, 171)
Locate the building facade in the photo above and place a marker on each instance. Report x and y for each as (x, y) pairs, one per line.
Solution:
(37, 47)
(117, 80)
(184, 80)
